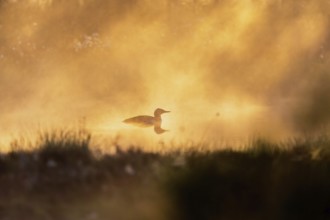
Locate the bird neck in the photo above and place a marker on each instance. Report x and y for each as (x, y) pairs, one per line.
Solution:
(157, 120)
(157, 115)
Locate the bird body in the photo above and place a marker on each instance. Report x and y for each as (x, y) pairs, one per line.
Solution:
(141, 121)
(148, 121)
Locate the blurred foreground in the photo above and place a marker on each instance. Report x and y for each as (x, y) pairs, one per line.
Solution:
(63, 178)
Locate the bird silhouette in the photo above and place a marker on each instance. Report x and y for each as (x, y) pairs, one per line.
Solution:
(148, 121)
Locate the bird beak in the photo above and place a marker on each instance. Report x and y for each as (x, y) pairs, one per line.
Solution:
(167, 111)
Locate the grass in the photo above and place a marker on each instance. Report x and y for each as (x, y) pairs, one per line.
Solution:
(259, 183)
(62, 177)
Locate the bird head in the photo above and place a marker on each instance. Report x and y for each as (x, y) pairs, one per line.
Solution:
(160, 111)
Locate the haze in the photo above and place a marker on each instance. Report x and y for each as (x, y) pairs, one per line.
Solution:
(226, 69)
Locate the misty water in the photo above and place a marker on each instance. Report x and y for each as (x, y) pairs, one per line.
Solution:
(228, 70)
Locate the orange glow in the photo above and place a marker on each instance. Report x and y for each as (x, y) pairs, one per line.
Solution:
(223, 68)
(237, 111)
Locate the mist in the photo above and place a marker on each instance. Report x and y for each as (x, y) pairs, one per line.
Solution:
(226, 69)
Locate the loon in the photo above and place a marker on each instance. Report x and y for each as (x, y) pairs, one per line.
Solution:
(148, 121)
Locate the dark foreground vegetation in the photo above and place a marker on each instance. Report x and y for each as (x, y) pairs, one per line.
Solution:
(65, 178)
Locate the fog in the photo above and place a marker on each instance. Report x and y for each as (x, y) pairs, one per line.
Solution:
(226, 69)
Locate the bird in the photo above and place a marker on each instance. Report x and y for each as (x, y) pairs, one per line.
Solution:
(148, 121)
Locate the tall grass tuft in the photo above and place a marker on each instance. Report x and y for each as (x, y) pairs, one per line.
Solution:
(65, 146)
(57, 159)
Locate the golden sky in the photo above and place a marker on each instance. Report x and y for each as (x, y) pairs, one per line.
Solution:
(225, 68)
